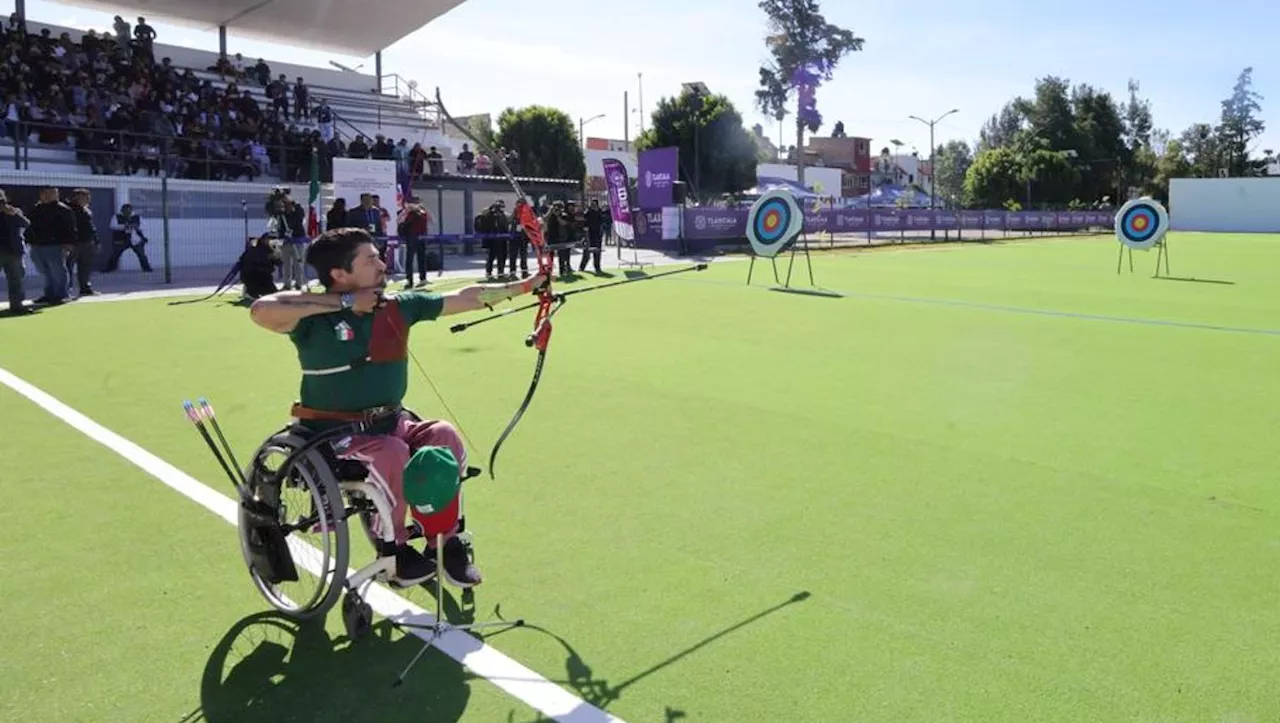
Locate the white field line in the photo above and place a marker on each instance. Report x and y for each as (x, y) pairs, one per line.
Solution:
(517, 680)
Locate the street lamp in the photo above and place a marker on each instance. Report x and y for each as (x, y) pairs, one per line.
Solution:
(582, 124)
(699, 91)
(933, 156)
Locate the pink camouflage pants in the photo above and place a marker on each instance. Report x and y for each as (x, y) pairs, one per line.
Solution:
(386, 457)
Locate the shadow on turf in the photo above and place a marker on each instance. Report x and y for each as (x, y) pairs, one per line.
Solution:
(1196, 281)
(820, 293)
(271, 668)
(598, 692)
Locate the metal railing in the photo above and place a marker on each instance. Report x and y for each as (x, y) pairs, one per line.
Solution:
(407, 91)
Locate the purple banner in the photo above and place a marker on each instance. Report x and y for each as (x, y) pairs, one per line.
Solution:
(615, 176)
(703, 223)
(657, 172)
(648, 225)
(729, 223)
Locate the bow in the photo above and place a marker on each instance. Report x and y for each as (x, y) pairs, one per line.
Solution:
(548, 302)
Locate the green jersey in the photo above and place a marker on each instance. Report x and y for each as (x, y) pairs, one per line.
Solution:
(352, 362)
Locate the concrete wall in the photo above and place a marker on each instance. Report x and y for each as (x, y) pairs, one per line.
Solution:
(1248, 205)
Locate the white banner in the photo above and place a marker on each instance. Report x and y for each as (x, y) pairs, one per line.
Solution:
(671, 222)
(354, 176)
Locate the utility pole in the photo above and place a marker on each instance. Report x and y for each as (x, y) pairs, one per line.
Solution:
(933, 165)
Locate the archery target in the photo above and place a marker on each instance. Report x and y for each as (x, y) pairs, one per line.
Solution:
(775, 220)
(1141, 223)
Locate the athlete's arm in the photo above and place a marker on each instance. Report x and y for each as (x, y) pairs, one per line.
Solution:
(281, 312)
(484, 296)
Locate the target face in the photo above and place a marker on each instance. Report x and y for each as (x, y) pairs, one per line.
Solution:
(1141, 223)
(774, 222)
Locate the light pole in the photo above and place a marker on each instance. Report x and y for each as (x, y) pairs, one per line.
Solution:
(933, 157)
(582, 125)
(699, 92)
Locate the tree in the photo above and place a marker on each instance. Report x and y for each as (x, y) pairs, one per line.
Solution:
(546, 140)
(1001, 129)
(765, 152)
(1203, 151)
(1239, 125)
(482, 127)
(1049, 114)
(805, 49)
(1102, 157)
(1137, 119)
(1050, 179)
(726, 156)
(994, 177)
(952, 163)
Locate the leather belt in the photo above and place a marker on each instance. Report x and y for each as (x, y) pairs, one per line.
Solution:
(323, 415)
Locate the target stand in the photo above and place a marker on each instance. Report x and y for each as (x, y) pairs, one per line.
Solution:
(775, 223)
(1143, 224)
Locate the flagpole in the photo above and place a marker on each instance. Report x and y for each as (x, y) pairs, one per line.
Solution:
(313, 197)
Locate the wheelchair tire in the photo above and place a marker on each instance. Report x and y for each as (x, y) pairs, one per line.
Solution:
(311, 476)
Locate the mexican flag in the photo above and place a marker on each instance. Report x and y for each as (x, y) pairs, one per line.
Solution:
(313, 199)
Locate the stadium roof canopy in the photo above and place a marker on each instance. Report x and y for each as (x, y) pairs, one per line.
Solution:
(357, 28)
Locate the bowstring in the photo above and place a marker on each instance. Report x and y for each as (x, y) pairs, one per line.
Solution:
(452, 415)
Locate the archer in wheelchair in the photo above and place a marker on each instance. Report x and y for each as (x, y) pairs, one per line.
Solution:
(351, 449)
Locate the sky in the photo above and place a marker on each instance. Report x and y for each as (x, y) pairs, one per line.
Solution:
(921, 58)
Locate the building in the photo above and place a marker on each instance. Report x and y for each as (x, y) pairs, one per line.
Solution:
(852, 155)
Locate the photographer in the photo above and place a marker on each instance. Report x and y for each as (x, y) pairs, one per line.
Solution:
(12, 224)
(495, 227)
(572, 225)
(285, 224)
(124, 226)
(518, 246)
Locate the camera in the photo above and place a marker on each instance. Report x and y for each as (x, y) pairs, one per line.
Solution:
(275, 199)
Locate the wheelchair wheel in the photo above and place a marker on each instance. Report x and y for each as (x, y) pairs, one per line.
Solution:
(301, 525)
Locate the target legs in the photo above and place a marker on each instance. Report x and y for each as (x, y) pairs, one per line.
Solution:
(1163, 254)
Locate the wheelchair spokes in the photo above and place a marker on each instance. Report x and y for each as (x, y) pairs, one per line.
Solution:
(302, 502)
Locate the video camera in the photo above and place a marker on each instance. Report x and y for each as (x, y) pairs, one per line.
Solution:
(275, 199)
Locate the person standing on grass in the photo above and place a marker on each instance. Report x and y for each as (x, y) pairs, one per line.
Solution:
(352, 343)
(13, 223)
(594, 222)
(85, 251)
(52, 237)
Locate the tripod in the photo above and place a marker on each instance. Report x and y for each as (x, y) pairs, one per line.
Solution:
(440, 626)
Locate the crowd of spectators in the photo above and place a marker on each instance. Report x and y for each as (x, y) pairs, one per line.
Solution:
(126, 112)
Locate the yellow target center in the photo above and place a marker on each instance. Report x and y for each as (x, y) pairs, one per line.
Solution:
(1140, 222)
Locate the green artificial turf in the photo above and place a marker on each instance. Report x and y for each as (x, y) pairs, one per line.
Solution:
(1014, 485)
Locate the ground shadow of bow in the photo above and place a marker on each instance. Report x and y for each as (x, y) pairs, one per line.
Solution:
(599, 692)
(271, 668)
(820, 293)
(1196, 281)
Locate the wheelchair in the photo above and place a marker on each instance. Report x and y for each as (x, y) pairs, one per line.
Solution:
(300, 497)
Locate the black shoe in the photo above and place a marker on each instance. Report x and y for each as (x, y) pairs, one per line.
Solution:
(459, 571)
(87, 291)
(412, 568)
(20, 310)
